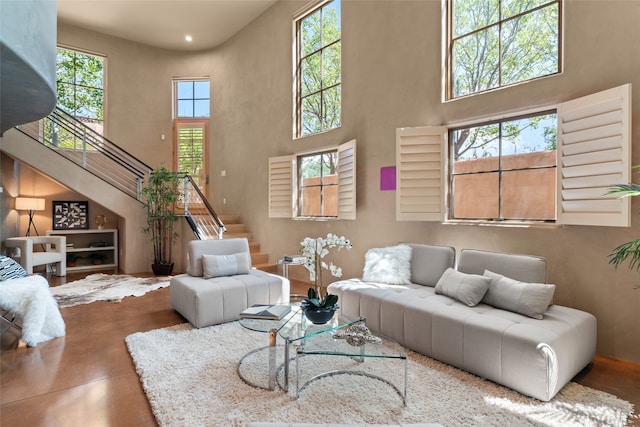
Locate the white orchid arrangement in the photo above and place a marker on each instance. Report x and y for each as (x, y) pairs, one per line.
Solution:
(313, 250)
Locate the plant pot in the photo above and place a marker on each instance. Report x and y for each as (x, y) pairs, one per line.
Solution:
(318, 316)
(162, 269)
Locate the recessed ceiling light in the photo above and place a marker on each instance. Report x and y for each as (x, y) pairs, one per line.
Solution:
(188, 38)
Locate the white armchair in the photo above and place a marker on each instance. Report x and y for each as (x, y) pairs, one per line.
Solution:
(55, 252)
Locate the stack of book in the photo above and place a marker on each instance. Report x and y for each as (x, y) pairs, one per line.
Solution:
(266, 312)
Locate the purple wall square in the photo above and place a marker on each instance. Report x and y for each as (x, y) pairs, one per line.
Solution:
(388, 178)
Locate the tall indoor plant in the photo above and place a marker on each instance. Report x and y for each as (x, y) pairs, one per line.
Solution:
(159, 198)
(629, 250)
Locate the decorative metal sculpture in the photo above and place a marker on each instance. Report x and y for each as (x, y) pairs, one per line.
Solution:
(357, 334)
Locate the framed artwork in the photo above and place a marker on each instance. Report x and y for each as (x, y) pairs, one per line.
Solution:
(70, 215)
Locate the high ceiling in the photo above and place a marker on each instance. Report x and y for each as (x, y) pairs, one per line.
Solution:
(164, 23)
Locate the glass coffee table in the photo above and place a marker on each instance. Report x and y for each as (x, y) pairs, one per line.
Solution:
(270, 327)
(311, 342)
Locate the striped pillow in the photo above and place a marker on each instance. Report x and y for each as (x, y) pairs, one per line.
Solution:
(9, 269)
(225, 265)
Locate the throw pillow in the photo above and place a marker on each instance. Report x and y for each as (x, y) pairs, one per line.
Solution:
(529, 299)
(225, 265)
(391, 265)
(466, 288)
(10, 269)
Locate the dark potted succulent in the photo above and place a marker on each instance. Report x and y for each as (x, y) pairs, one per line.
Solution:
(320, 306)
(72, 259)
(97, 258)
(160, 197)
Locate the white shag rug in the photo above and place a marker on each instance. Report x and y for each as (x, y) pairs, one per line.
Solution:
(105, 287)
(190, 378)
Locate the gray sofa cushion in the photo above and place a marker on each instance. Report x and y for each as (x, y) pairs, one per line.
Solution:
(530, 299)
(525, 268)
(196, 248)
(221, 299)
(428, 263)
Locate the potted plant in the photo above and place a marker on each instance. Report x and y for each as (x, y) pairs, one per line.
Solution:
(320, 306)
(72, 259)
(159, 198)
(97, 258)
(629, 250)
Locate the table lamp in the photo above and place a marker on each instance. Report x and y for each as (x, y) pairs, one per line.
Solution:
(30, 204)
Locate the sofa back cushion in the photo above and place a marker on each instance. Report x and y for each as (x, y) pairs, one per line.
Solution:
(524, 268)
(428, 263)
(197, 248)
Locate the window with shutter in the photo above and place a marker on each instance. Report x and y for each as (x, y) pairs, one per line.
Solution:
(594, 144)
(280, 186)
(314, 185)
(593, 150)
(420, 168)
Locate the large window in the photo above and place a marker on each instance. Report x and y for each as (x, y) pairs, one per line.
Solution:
(494, 43)
(80, 86)
(505, 170)
(318, 70)
(548, 166)
(318, 185)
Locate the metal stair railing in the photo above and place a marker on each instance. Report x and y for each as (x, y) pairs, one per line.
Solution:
(74, 140)
(200, 215)
(90, 150)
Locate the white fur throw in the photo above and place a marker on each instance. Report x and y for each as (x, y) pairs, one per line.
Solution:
(30, 299)
(391, 265)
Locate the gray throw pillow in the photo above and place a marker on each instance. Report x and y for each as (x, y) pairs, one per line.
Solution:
(529, 299)
(390, 265)
(466, 288)
(225, 265)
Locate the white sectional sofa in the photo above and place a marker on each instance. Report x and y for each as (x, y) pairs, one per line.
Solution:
(220, 283)
(536, 357)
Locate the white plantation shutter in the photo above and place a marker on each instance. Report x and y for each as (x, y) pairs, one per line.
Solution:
(594, 152)
(420, 173)
(347, 180)
(281, 191)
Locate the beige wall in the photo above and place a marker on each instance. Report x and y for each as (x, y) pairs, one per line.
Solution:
(391, 78)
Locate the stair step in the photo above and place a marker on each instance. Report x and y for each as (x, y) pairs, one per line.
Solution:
(229, 218)
(254, 247)
(259, 258)
(235, 228)
(228, 235)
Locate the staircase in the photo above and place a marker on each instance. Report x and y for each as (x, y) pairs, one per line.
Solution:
(96, 166)
(235, 228)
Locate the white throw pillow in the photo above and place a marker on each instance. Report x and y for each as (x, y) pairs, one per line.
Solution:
(391, 265)
(225, 265)
(529, 299)
(466, 288)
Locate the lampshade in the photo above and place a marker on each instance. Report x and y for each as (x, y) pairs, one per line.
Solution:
(29, 204)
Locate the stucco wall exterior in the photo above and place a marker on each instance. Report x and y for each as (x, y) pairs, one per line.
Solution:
(391, 53)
